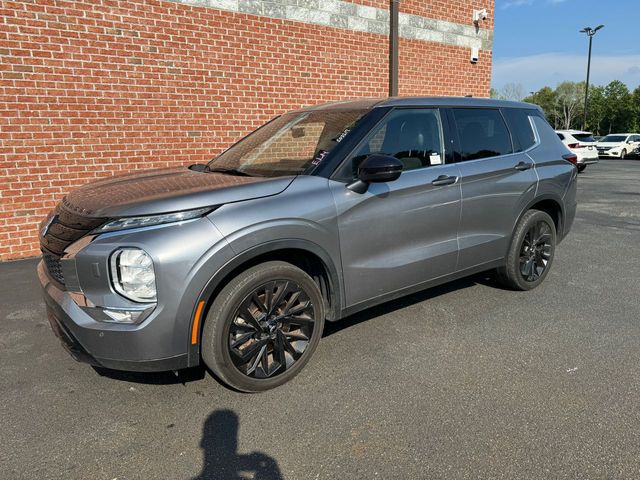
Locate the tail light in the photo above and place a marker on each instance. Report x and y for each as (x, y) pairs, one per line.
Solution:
(571, 157)
(575, 145)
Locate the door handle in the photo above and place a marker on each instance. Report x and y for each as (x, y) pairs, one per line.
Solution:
(523, 166)
(444, 180)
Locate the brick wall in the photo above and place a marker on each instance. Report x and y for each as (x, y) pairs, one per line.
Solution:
(100, 87)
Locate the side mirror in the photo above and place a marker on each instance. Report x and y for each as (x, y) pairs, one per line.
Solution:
(376, 168)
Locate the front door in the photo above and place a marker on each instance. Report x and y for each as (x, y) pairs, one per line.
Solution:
(401, 233)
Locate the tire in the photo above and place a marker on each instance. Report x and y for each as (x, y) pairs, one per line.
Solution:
(623, 154)
(525, 268)
(581, 168)
(275, 343)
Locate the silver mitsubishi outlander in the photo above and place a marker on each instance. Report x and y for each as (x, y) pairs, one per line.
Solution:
(318, 214)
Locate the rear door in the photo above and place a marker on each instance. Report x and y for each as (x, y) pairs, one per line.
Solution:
(498, 180)
(401, 233)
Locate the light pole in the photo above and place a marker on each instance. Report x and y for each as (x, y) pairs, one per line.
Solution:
(590, 33)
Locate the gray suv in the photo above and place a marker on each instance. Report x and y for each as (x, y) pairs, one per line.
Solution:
(318, 214)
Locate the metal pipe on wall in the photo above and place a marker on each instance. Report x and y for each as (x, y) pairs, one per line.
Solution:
(393, 48)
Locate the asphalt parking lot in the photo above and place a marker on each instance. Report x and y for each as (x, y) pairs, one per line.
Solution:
(462, 381)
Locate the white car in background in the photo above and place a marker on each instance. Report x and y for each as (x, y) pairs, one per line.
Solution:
(618, 145)
(582, 145)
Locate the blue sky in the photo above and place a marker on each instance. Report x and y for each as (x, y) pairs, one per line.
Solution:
(537, 42)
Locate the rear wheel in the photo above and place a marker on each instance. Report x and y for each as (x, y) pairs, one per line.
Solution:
(531, 252)
(263, 327)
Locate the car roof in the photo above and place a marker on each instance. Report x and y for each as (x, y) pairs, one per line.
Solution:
(624, 134)
(367, 103)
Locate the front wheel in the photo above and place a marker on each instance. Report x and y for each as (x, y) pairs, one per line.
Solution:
(623, 154)
(263, 327)
(530, 253)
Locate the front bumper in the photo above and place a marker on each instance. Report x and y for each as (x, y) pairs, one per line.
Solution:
(185, 256)
(608, 154)
(120, 347)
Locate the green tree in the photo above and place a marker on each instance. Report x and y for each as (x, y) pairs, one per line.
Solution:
(635, 101)
(619, 108)
(570, 104)
(597, 109)
(546, 99)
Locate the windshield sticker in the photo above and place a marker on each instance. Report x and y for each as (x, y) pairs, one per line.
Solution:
(319, 157)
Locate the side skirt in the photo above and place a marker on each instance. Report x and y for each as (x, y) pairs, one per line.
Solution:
(418, 287)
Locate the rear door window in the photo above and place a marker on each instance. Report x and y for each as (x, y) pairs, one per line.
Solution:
(482, 133)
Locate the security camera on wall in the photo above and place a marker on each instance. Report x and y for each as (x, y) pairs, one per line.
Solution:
(475, 52)
(479, 15)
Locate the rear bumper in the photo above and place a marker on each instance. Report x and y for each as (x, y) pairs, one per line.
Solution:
(587, 157)
(98, 344)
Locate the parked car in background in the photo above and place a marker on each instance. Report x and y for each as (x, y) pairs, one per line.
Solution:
(618, 145)
(319, 214)
(597, 138)
(582, 144)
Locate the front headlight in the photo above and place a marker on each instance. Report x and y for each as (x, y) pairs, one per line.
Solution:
(132, 274)
(150, 220)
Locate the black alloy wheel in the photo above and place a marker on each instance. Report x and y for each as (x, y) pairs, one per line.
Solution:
(263, 326)
(271, 329)
(530, 253)
(536, 251)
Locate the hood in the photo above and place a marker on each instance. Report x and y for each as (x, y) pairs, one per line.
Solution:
(609, 144)
(167, 190)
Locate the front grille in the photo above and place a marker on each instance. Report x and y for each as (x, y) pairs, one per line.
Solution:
(54, 268)
(59, 230)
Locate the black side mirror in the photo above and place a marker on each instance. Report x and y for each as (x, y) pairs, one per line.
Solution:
(376, 168)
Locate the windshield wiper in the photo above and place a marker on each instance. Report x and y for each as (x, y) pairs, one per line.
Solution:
(230, 171)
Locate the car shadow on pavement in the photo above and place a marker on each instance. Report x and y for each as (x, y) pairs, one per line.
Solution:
(484, 278)
(221, 458)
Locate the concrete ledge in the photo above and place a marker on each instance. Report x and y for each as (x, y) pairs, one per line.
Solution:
(360, 18)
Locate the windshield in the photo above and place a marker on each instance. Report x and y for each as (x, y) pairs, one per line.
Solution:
(614, 138)
(289, 145)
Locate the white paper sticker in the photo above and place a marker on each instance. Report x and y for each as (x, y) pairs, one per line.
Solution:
(435, 159)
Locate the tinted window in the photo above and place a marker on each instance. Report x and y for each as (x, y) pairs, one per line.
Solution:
(521, 129)
(482, 133)
(561, 136)
(413, 136)
(583, 137)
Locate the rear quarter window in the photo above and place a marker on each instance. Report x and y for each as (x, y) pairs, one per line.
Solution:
(521, 128)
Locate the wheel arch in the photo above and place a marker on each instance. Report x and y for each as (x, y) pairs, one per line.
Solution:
(304, 254)
(549, 204)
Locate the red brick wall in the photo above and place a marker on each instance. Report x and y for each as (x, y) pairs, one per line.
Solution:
(100, 87)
